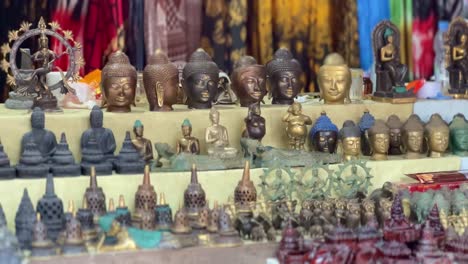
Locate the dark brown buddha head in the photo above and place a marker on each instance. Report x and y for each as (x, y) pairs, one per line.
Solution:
(249, 80)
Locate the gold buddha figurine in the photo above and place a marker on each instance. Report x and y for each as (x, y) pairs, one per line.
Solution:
(119, 79)
(413, 138)
(297, 126)
(350, 140)
(334, 79)
(124, 241)
(188, 143)
(216, 137)
(436, 133)
(142, 144)
(379, 135)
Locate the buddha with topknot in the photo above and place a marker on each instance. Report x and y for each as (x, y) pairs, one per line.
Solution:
(413, 138)
(437, 133)
(249, 81)
(350, 137)
(217, 138)
(459, 135)
(188, 143)
(379, 135)
(334, 80)
(143, 145)
(324, 135)
(396, 144)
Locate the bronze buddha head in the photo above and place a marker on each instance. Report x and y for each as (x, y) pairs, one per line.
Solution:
(413, 136)
(119, 79)
(161, 79)
(437, 135)
(334, 79)
(379, 135)
(324, 134)
(200, 80)
(249, 80)
(350, 136)
(283, 73)
(459, 135)
(395, 125)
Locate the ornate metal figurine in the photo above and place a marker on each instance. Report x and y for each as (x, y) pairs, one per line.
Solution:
(161, 79)
(297, 126)
(254, 123)
(188, 143)
(437, 135)
(456, 44)
(283, 73)
(249, 81)
(200, 80)
(276, 183)
(334, 80)
(350, 137)
(324, 135)
(379, 135)
(459, 135)
(143, 145)
(314, 182)
(217, 139)
(390, 71)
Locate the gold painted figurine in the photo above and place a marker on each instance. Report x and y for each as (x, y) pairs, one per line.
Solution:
(124, 241)
(350, 139)
(217, 139)
(437, 136)
(119, 79)
(143, 145)
(334, 80)
(297, 126)
(380, 140)
(188, 143)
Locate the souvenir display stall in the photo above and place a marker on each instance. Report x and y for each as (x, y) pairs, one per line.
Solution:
(183, 163)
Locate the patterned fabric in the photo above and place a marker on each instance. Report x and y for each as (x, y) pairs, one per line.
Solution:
(135, 44)
(401, 15)
(346, 28)
(424, 29)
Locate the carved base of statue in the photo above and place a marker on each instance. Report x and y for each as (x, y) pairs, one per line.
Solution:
(459, 93)
(37, 171)
(7, 173)
(48, 103)
(73, 249)
(66, 170)
(135, 167)
(45, 251)
(223, 153)
(104, 168)
(16, 101)
(396, 95)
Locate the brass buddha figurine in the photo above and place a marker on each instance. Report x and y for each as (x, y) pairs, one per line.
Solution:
(296, 128)
(161, 79)
(245, 193)
(254, 123)
(324, 135)
(200, 80)
(456, 59)
(413, 138)
(143, 145)
(350, 139)
(459, 135)
(283, 74)
(396, 144)
(437, 133)
(188, 143)
(379, 135)
(119, 80)
(334, 79)
(249, 81)
(217, 139)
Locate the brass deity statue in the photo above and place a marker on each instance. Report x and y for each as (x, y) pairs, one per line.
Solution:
(389, 70)
(283, 73)
(334, 80)
(437, 135)
(200, 80)
(119, 80)
(413, 138)
(350, 140)
(188, 143)
(379, 135)
(143, 145)
(217, 139)
(297, 126)
(459, 135)
(456, 44)
(249, 81)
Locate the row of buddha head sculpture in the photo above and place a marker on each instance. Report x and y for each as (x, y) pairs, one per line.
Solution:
(201, 78)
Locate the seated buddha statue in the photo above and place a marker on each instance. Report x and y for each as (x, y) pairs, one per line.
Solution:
(142, 144)
(188, 143)
(217, 139)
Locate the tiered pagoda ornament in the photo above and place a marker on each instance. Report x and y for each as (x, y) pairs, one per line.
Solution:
(194, 198)
(33, 81)
(146, 195)
(393, 251)
(74, 242)
(428, 248)
(95, 197)
(398, 227)
(181, 222)
(50, 207)
(24, 221)
(390, 72)
(291, 242)
(10, 252)
(245, 193)
(456, 44)
(86, 218)
(163, 214)
(42, 245)
(129, 160)
(6, 171)
(63, 161)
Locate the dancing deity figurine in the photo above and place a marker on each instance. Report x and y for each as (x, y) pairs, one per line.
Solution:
(297, 126)
(33, 81)
(396, 144)
(324, 135)
(200, 80)
(249, 81)
(350, 137)
(413, 138)
(389, 70)
(380, 140)
(283, 73)
(161, 79)
(143, 145)
(188, 143)
(456, 44)
(437, 136)
(459, 135)
(334, 80)
(119, 80)
(254, 123)
(216, 136)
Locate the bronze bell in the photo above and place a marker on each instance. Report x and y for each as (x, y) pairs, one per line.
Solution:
(181, 222)
(245, 192)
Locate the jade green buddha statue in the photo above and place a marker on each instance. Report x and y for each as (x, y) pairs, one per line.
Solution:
(459, 135)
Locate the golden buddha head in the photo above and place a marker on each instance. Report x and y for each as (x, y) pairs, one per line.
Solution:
(413, 134)
(350, 136)
(119, 80)
(334, 79)
(249, 80)
(437, 135)
(379, 135)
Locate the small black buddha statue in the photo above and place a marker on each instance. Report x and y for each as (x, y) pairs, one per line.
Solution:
(283, 74)
(324, 135)
(44, 139)
(200, 80)
(254, 123)
(103, 136)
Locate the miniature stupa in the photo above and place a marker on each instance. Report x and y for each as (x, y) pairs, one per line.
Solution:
(92, 156)
(129, 160)
(63, 161)
(145, 195)
(94, 195)
(245, 192)
(163, 214)
(50, 207)
(6, 171)
(31, 163)
(24, 221)
(42, 245)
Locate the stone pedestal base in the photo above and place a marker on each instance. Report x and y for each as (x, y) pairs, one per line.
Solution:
(47, 104)
(7, 173)
(43, 251)
(66, 170)
(38, 171)
(129, 167)
(104, 168)
(73, 249)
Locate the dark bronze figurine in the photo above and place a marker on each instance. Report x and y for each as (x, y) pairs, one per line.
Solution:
(456, 44)
(254, 123)
(249, 81)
